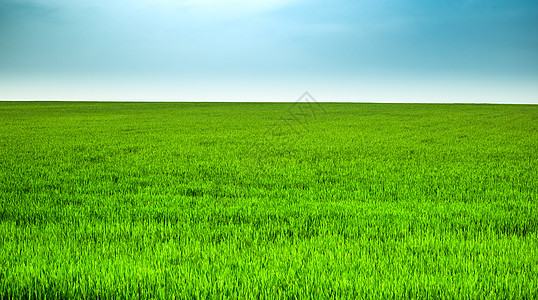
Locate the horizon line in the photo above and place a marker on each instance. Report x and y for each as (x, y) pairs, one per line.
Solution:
(262, 101)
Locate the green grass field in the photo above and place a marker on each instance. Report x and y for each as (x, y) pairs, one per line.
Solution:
(251, 200)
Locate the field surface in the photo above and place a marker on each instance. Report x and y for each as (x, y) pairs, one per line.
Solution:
(251, 200)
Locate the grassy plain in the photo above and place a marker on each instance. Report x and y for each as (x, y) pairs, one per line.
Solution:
(252, 200)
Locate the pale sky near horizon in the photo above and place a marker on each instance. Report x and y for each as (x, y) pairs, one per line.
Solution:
(270, 50)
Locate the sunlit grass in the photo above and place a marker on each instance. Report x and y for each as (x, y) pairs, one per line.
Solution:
(197, 200)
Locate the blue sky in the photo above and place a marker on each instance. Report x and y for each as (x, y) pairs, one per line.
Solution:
(270, 50)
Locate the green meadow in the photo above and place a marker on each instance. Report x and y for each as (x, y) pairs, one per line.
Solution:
(268, 200)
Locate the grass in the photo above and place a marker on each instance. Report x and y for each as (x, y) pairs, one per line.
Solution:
(251, 200)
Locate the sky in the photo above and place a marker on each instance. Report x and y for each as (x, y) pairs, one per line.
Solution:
(270, 50)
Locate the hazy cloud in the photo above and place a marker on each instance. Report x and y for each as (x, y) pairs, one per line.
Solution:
(292, 40)
(221, 7)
